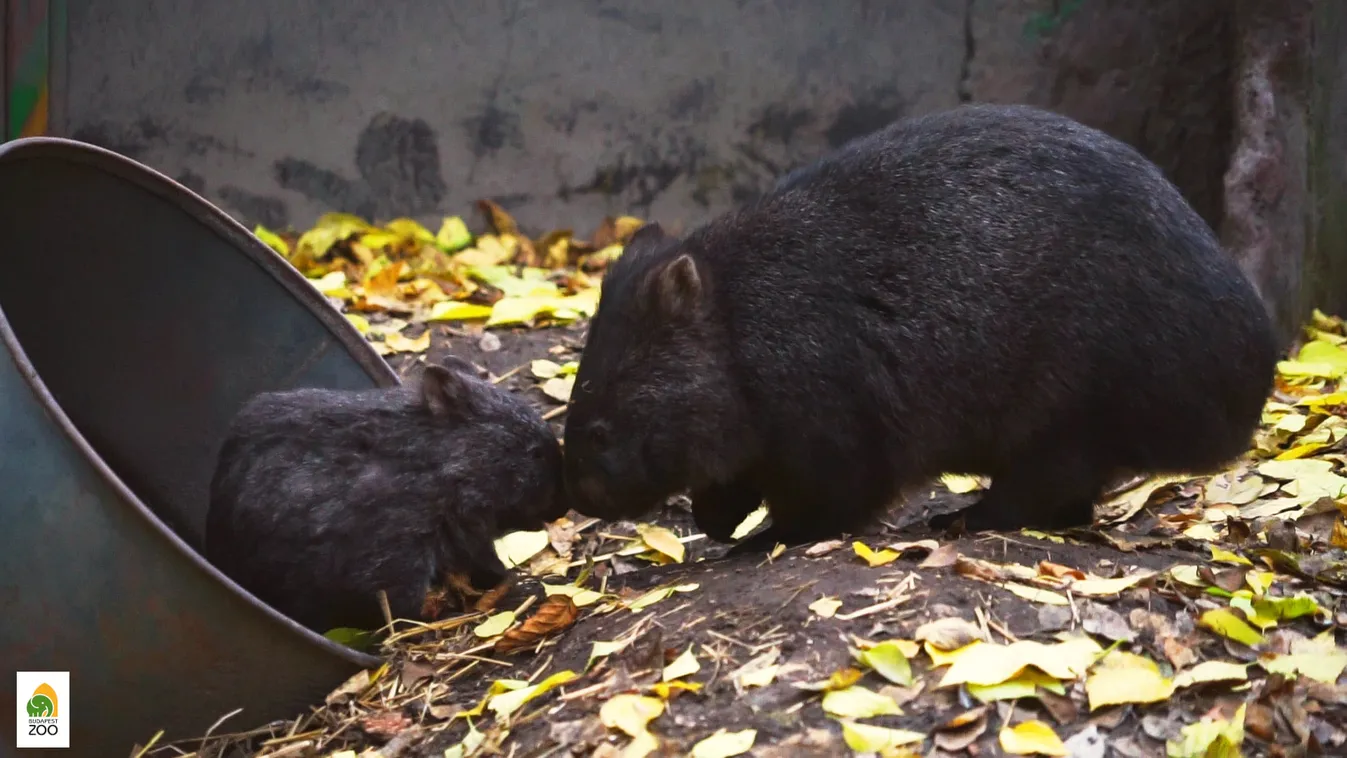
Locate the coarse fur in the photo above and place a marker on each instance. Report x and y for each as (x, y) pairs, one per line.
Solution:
(321, 498)
(992, 290)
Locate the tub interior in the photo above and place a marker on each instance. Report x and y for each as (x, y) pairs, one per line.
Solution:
(147, 325)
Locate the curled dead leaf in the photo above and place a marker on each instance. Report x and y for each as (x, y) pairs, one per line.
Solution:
(555, 614)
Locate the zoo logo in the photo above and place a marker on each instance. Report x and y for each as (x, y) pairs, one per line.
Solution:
(43, 702)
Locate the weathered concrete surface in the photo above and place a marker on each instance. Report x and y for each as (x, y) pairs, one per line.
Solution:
(1325, 262)
(568, 109)
(562, 109)
(1267, 193)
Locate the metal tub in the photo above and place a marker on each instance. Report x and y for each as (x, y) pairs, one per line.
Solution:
(135, 319)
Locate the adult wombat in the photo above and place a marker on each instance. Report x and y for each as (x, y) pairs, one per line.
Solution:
(990, 289)
(322, 497)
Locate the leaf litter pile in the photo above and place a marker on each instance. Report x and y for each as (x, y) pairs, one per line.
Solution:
(1203, 616)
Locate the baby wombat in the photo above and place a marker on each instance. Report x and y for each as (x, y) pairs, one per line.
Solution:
(323, 497)
(991, 289)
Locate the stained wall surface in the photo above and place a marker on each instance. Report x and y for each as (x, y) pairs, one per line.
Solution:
(566, 110)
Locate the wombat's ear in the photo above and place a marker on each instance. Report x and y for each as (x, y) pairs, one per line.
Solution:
(678, 286)
(442, 390)
(648, 234)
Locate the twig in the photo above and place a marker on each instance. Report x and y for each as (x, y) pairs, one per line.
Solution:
(555, 412)
(149, 744)
(876, 608)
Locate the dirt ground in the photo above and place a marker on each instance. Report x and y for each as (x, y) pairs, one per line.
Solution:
(808, 609)
(755, 606)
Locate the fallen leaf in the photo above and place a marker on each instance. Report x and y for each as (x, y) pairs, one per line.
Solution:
(941, 557)
(1031, 738)
(665, 690)
(630, 713)
(1123, 677)
(754, 520)
(874, 558)
(556, 613)
(857, 702)
(662, 540)
(1317, 658)
(495, 624)
(516, 548)
(961, 731)
(684, 665)
(985, 663)
(1108, 587)
(1026, 684)
(723, 744)
(1210, 738)
(1226, 623)
(888, 660)
(508, 702)
(578, 595)
(1035, 594)
(826, 606)
(1212, 671)
(821, 548)
(658, 594)
(559, 388)
(867, 738)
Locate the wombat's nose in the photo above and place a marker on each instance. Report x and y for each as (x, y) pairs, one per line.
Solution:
(586, 493)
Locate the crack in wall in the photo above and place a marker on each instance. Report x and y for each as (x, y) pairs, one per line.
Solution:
(965, 90)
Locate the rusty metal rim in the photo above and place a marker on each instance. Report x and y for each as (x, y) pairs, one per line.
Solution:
(270, 262)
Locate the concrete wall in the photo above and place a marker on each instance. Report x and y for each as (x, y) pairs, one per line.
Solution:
(565, 110)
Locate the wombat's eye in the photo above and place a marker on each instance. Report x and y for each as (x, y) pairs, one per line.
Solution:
(598, 435)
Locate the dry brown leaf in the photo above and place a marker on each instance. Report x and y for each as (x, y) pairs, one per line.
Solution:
(555, 614)
(940, 557)
(962, 730)
(501, 221)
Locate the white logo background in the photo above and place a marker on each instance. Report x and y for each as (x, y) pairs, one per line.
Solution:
(29, 681)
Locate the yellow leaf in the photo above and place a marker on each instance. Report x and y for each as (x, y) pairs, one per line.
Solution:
(658, 594)
(684, 665)
(1036, 594)
(457, 310)
(724, 744)
(578, 595)
(1210, 738)
(873, 558)
(857, 702)
(630, 713)
(826, 606)
(410, 229)
(272, 240)
(941, 657)
(1107, 587)
(1186, 574)
(961, 483)
(330, 283)
(1260, 581)
(1226, 623)
(509, 702)
(1212, 671)
(750, 522)
(1225, 556)
(559, 388)
(544, 369)
(1319, 351)
(516, 548)
(665, 689)
(1026, 684)
(524, 310)
(400, 344)
(470, 742)
(1031, 738)
(759, 677)
(1317, 658)
(1201, 531)
(993, 664)
(888, 659)
(360, 323)
(662, 540)
(495, 624)
(453, 234)
(867, 738)
(1126, 678)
